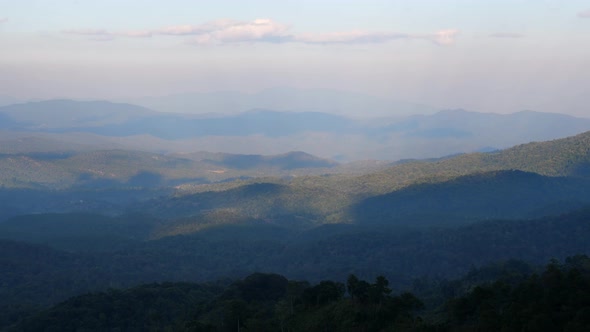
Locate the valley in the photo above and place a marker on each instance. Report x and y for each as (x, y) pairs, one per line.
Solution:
(80, 216)
(294, 166)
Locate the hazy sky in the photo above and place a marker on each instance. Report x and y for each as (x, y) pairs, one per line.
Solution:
(482, 55)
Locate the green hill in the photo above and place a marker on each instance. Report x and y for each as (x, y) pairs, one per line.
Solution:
(40, 276)
(529, 180)
(562, 157)
(125, 168)
(478, 196)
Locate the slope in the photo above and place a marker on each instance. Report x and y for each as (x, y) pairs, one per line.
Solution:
(490, 195)
(561, 157)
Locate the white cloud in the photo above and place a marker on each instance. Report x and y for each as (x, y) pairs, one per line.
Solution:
(226, 31)
(3, 20)
(187, 29)
(178, 30)
(443, 37)
(584, 14)
(220, 31)
(506, 35)
(138, 33)
(266, 30)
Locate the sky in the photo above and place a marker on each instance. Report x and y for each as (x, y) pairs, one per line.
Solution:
(497, 56)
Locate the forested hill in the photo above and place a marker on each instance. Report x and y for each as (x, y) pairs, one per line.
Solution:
(290, 193)
(506, 194)
(471, 210)
(527, 181)
(511, 299)
(42, 275)
(561, 157)
(71, 169)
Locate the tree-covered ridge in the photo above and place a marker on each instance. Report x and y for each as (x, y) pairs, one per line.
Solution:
(266, 199)
(556, 299)
(259, 302)
(127, 168)
(309, 201)
(307, 227)
(79, 231)
(561, 157)
(330, 198)
(33, 276)
(63, 169)
(502, 194)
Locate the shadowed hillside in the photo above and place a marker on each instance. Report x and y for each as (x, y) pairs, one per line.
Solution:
(489, 195)
(562, 157)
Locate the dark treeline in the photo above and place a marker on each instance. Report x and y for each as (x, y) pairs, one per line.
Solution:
(506, 297)
(69, 259)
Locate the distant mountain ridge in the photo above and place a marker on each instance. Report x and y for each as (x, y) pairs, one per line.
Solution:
(460, 122)
(343, 103)
(64, 113)
(267, 131)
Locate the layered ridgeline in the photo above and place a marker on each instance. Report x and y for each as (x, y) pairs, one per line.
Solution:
(434, 218)
(258, 216)
(67, 169)
(265, 130)
(525, 181)
(61, 178)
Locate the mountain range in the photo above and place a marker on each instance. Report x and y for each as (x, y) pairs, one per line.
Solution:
(343, 103)
(81, 211)
(104, 124)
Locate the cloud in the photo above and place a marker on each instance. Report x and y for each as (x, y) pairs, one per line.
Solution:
(3, 20)
(227, 31)
(220, 31)
(136, 33)
(506, 35)
(103, 35)
(443, 37)
(584, 14)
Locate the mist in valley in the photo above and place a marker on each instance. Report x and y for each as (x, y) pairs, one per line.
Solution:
(360, 166)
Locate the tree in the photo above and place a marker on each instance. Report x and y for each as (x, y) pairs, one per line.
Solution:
(379, 290)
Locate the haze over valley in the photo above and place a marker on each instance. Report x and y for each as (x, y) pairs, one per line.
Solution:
(294, 166)
(109, 125)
